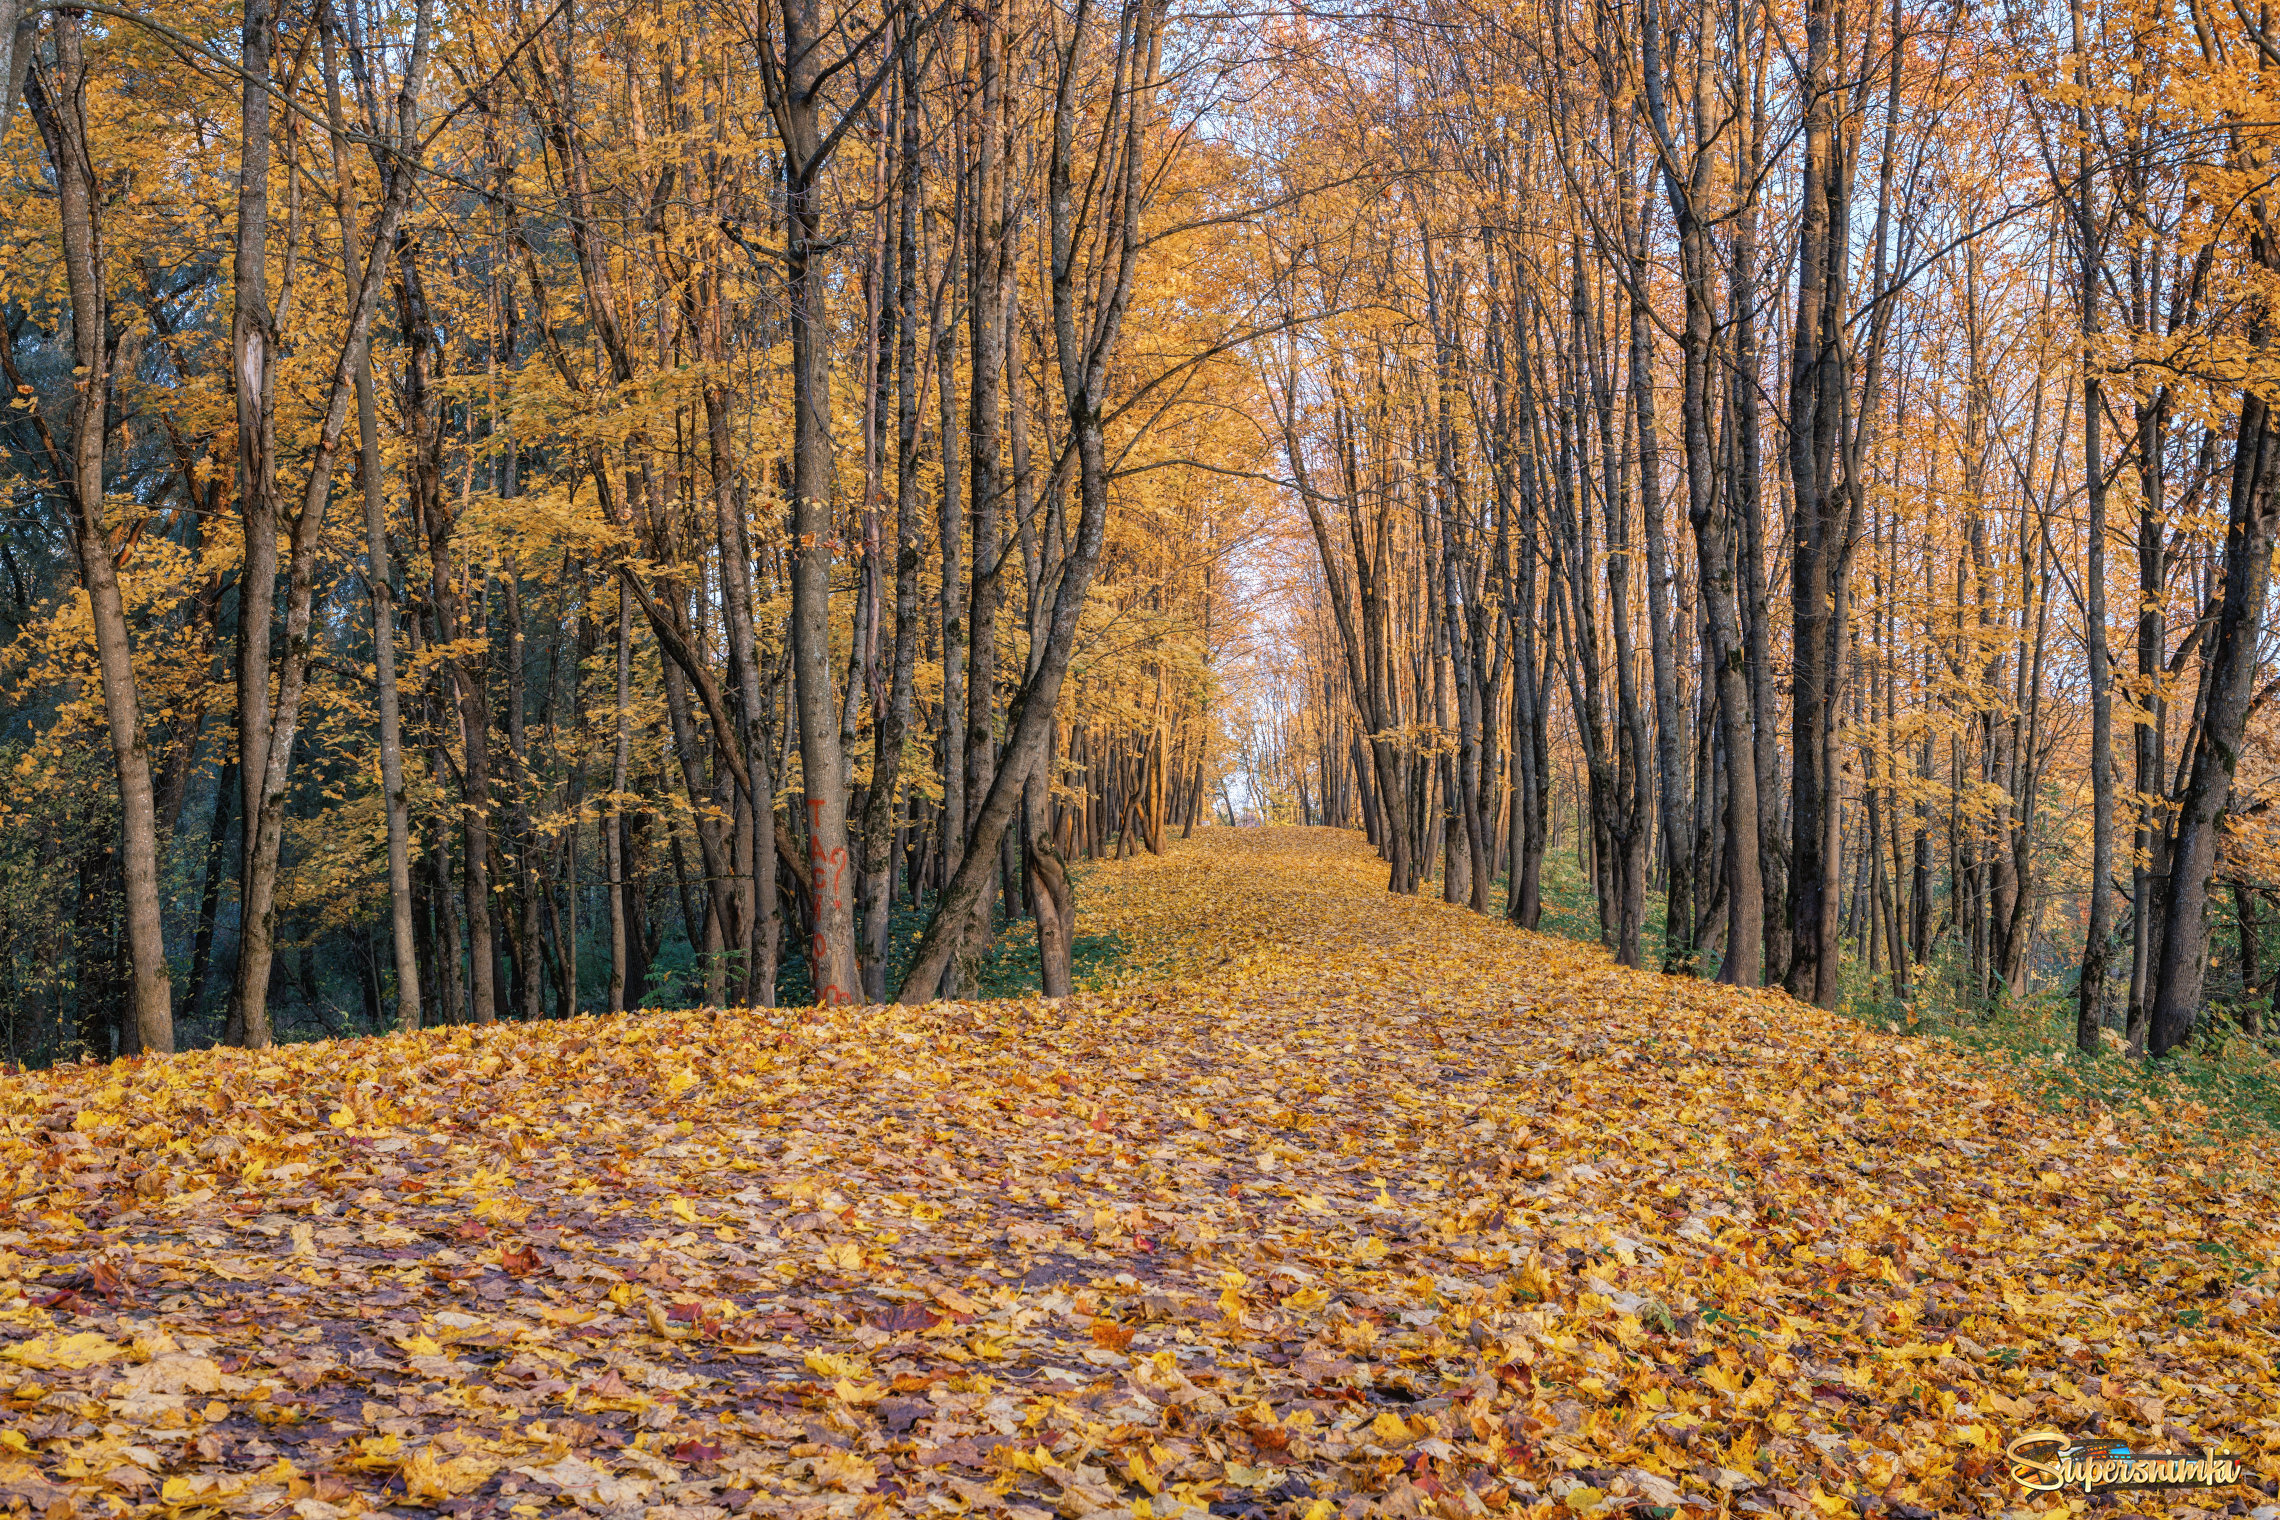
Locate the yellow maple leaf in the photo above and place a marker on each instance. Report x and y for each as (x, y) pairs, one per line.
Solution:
(429, 1479)
(376, 1453)
(846, 1472)
(70, 1352)
(825, 1364)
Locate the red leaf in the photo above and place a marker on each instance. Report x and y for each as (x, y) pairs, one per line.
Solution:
(105, 1281)
(905, 1317)
(696, 1451)
(469, 1229)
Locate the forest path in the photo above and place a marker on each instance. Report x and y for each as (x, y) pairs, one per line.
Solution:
(1335, 1204)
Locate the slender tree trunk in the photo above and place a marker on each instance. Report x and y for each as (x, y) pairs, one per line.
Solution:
(455, 618)
(1712, 516)
(1817, 382)
(2252, 507)
(2090, 993)
(823, 762)
(378, 582)
(268, 726)
(950, 526)
(63, 126)
(985, 315)
(1679, 954)
(893, 725)
(1086, 336)
(250, 340)
(608, 824)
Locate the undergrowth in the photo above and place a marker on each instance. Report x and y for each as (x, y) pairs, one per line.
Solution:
(2224, 1082)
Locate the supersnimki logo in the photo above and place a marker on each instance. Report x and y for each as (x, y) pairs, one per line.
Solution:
(2046, 1461)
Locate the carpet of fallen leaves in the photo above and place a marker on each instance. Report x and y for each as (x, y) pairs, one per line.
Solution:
(1334, 1204)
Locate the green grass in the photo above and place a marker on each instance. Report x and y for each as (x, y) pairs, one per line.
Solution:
(2234, 1077)
(1571, 908)
(1008, 969)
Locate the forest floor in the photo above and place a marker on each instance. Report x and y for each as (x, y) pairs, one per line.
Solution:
(1328, 1203)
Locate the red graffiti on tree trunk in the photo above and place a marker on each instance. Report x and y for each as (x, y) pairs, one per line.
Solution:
(827, 872)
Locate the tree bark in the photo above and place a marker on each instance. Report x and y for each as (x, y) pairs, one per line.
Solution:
(801, 79)
(1086, 333)
(63, 129)
(892, 726)
(1687, 186)
(2090, 991)
(378, 581)
(2252, 506)
(267, 728)
(1679, 954)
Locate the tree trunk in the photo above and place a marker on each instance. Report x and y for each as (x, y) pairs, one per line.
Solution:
(1679, 955)
(1055, 904)
(63, 127)
(252, 388)
(1085, 344)
(823, 761)
(892, 726)
(2090, 992)
(608, 825)
(2176, 984)
(266, 732)
(378, 582)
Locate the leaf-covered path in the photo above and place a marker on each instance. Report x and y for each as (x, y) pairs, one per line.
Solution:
(1336, 1204)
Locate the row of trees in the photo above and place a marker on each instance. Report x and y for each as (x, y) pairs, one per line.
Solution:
(1746, 405)
(553, 507)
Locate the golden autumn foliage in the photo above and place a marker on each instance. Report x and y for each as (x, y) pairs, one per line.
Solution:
(1345, 1207)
